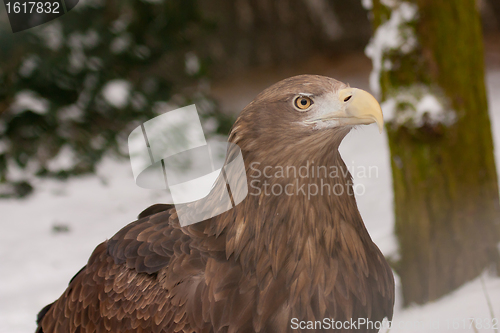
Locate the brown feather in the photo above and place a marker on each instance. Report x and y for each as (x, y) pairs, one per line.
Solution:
(251, 269)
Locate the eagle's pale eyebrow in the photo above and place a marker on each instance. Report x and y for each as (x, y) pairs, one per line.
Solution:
(305, 94)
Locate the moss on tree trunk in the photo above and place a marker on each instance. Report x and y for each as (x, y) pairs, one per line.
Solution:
(444, 176)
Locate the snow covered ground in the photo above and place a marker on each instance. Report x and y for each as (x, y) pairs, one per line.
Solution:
(36, 262)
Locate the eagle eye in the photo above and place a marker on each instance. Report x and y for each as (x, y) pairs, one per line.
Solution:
(303, 102)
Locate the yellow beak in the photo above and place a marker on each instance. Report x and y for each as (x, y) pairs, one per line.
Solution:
(358, 107)
(362, 107)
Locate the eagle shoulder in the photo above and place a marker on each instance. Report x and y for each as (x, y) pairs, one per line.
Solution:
(148, 244)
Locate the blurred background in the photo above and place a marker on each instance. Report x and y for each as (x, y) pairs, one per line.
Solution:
(72, 90)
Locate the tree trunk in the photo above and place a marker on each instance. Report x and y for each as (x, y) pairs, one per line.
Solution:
(431, 78)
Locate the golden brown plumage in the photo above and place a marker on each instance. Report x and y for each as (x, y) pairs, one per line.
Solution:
(251, 269)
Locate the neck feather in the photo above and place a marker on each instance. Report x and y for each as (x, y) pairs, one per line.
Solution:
(298, 197)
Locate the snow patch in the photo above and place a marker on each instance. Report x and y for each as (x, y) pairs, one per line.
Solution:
(367, 4)
(121, 23)
(64, 160)
(16, 173)
(29, 100)
(89, 39)
(416, 106)
(389, 3)
(453, 312)
(192, 63)
(121, 43)
(51, 34)
(70, 113)
(29, 64)
(77, 43)
(210, 125)
(117, 92)
(396, 34)
(4, 146)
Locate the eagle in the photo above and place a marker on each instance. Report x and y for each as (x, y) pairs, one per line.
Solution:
(291, 261)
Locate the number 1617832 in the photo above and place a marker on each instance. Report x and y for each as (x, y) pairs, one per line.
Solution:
(32, 7)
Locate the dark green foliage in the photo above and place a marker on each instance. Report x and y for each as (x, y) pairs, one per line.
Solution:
(69, 61)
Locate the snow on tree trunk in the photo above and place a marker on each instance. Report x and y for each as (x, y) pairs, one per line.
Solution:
(429, 73)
